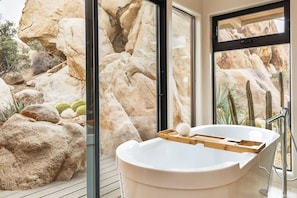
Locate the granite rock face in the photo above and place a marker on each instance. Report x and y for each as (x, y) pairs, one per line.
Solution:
(34, 153)
(127, 64)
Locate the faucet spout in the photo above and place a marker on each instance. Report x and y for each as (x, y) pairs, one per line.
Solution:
(282, 114)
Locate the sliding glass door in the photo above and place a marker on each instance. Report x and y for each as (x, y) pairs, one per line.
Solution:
(126, 77)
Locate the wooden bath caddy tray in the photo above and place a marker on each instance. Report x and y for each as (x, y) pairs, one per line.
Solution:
(216, 142)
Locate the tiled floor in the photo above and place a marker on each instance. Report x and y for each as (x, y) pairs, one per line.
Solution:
(277, 192)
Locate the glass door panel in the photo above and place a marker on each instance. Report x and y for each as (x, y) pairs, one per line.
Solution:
(127, 73)
(183, 66)
(265, 71)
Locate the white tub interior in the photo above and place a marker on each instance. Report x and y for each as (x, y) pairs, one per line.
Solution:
(237, 132)
(173, 156)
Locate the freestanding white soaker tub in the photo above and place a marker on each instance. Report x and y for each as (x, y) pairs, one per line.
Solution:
(160, 168)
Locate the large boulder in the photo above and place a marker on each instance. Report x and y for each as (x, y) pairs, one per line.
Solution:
(117, 18)
(142, 34)
(34, 153)
(6, 96)
(131, 80)
(41, 112)
(39, 21)
(60, 86)
(112, 131)
(70, 41)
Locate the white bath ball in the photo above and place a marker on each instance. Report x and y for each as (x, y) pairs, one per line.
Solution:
(183, 129)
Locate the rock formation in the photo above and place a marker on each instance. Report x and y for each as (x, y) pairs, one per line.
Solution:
(70, 42)
(6, 97)
(39, 20)
(259, 65)
(34, 153)
(127, 64)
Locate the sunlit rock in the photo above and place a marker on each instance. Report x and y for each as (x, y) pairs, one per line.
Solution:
(40, 112)
(68, 113)
(112, 131)
(6, 96)
(60, 86)
(70, 42)
(13, 78)
(109, 25)
(40, 20)
(106, 47)
(143, 32)
(34, 153)
(29, 96)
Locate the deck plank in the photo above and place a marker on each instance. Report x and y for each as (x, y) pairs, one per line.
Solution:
(76, 187)
(65, 191)
(109, 188)
(79, 193)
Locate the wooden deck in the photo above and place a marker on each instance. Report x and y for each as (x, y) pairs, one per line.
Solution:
(109, 186)
(76, 187)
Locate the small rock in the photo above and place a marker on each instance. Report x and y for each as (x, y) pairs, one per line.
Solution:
(41, 112)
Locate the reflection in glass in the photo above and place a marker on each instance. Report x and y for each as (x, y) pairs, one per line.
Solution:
(127, 73)
(264, 71)
(182, 50)
(252, 25)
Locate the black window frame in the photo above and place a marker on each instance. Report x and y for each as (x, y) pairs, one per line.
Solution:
(273, 39)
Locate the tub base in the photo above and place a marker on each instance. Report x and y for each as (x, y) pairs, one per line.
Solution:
(246, 187)
(159, 168)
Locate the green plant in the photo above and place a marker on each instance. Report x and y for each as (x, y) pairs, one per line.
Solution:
(232, 108)
(281, 89)
(77, 103)
(268, 109)
(61, 106)
(81, 110)
(35, 45)
(10, 56)
(222, 111)
(14, 107)
(251, 118)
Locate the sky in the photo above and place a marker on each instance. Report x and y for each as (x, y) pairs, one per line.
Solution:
(12, 10)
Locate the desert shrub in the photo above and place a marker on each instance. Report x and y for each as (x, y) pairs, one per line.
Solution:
(14, 107)
(81, 110)
(35, 45)
(61, 106)
(45, 61)
(77, 104)
(10, 56)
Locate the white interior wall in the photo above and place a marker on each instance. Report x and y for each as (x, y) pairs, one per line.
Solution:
(216, 7)
(205, 10)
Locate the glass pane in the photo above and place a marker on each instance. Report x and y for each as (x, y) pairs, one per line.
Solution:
(128, 62)
(264, 71)
(182, 50)
(251, 25)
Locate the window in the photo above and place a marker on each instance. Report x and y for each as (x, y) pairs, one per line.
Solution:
(183, 30)
(126, 67)
(251, 65)
(260, 26)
